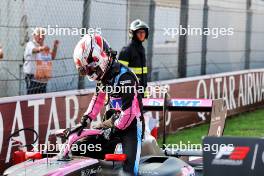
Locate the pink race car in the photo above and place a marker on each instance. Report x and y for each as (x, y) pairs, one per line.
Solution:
(65, 163)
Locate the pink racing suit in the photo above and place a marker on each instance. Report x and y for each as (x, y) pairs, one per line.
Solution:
(129, 123)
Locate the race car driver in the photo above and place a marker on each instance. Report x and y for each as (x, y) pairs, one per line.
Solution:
(93, 58)
(134, 55)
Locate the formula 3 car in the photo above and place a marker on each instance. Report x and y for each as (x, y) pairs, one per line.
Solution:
(81, 165)
(153, 162)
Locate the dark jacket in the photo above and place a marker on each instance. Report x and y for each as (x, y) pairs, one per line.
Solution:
(134, 57)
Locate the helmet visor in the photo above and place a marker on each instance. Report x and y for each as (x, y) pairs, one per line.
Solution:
(92, 70)
(88, 69)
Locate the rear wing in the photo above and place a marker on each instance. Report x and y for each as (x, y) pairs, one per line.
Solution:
(217, 108)
(178, 104)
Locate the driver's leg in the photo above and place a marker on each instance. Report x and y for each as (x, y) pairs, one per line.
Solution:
(94, 147)
(131, 144)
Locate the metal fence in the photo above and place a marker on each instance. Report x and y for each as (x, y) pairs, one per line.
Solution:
(203, 50)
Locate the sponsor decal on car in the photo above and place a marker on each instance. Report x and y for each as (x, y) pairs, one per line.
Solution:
(236, 156)
(228, 155)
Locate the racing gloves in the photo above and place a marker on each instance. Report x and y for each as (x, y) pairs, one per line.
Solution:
(107, 126)
(109, 119)
(85, 121)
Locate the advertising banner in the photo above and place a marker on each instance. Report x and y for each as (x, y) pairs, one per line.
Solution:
(45, 113)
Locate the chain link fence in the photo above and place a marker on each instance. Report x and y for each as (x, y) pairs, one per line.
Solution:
(221, 36)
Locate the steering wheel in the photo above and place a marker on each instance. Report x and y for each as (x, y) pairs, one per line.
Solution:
(25, 129)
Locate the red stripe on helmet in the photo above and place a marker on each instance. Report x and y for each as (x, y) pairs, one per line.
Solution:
(78, 62)
(99, 40)
(83, 47)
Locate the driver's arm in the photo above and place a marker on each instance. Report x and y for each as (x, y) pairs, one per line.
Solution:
(130, 106)
(96, 104)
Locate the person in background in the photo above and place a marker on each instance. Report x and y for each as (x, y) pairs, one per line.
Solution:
(1, 52)
(134, 55)
(37, 66)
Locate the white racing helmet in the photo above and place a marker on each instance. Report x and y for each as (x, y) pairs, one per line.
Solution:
(90, 57)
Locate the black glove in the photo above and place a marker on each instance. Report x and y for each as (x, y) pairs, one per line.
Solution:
(78, 128)
(85, 121)
(109, 113)
(109, 119)
(68, 131)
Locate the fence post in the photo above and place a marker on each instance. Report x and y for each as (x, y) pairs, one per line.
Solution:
(127, 22)
(85, 24)
(204, 38)
(20, 79)
(182, 59)
(248, 35)
(152, 8)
